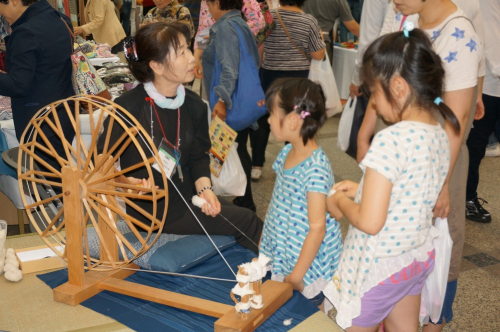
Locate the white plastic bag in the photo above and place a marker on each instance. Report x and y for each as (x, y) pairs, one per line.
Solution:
(435, 285)
(321, 72)
(345, 124)
(232, 180)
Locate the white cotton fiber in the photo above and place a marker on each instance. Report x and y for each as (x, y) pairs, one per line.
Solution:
(9, 267)
(14, 275)
(12, 261)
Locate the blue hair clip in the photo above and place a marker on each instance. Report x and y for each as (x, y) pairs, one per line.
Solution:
(438, 100)
(407, 27)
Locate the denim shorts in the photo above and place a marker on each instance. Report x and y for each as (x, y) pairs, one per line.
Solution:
(318, 299)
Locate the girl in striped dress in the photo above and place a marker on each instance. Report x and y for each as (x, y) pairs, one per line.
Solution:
(302, 240)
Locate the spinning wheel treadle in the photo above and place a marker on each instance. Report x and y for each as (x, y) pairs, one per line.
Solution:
(90, 191)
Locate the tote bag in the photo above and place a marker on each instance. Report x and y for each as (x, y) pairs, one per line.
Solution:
(85, 79)
(248, 96)
(321, 72)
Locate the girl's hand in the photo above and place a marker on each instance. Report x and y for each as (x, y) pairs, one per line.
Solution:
(298, 285)
(332, 204)
(212, 207)
(220, 110)
(349, 188)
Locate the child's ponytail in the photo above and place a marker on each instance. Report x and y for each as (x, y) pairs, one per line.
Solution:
(301, 96)
(447, 114)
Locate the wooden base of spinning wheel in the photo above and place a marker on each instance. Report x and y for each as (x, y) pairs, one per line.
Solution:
(275, 294)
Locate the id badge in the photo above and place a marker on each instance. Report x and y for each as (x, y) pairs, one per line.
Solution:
(169, 158)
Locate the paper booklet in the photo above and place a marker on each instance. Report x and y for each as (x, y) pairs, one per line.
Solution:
(222, 137)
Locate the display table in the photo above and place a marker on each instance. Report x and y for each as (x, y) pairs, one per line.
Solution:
(29, 306)
(343, 63)
(100, 61)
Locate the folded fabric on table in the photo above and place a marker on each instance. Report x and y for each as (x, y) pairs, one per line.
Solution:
(147, 316)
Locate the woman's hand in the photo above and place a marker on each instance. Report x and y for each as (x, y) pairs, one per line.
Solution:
(78, 30)
(220, 110)
(332, 205)
(198, 68)
(349, 188)
(298, 285)
(354, 91)
(212, 206)
(142, 183)
(442, 207)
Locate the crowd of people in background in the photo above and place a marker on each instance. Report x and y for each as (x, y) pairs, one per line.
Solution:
(428, 72)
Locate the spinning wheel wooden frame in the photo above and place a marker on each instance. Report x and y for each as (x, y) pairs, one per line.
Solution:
(90, 187)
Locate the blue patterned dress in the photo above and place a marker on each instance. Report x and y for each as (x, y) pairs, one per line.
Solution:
(286, 224)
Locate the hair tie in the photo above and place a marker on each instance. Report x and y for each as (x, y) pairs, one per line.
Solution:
(304, 114)
(130, 49)
(407, 27)
(438, 101)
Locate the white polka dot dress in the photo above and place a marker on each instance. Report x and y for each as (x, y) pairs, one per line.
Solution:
(414, 157)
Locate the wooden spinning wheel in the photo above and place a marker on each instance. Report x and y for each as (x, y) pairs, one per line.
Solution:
(104, 192)
(83, 189)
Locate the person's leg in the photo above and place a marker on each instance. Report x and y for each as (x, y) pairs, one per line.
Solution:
(259, 139)
(243, 221)
(404, 316)
(478, 140)
(247, 199)
(447, 311)
(126, 10)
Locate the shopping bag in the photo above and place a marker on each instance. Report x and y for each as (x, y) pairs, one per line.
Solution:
(232, 180)
(435, 285)
(85, 79)
(248, 98)
(321, 72)
(345, 124)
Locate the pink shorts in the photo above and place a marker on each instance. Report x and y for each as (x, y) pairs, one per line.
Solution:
(378, 302)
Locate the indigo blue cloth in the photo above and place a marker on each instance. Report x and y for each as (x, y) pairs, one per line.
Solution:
(222, 48)
(147, 316)
(246, 105)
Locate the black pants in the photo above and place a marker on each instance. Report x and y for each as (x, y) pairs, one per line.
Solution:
(245, 219)
(260, 137)
(478, 140)
(246, 162)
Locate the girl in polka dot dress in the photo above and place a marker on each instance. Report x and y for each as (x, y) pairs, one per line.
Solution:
(300, 237)
(388, 251)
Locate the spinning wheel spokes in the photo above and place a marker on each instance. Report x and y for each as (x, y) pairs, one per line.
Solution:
(104, 193)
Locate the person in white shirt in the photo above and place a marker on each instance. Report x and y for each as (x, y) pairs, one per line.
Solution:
(478, 137)
(372, 21)
(456, 40)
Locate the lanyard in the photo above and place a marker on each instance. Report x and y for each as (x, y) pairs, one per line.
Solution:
(177, 144)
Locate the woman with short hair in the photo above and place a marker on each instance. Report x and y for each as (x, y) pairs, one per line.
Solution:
(162, 63)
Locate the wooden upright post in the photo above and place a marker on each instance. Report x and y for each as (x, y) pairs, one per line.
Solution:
(74, 231)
